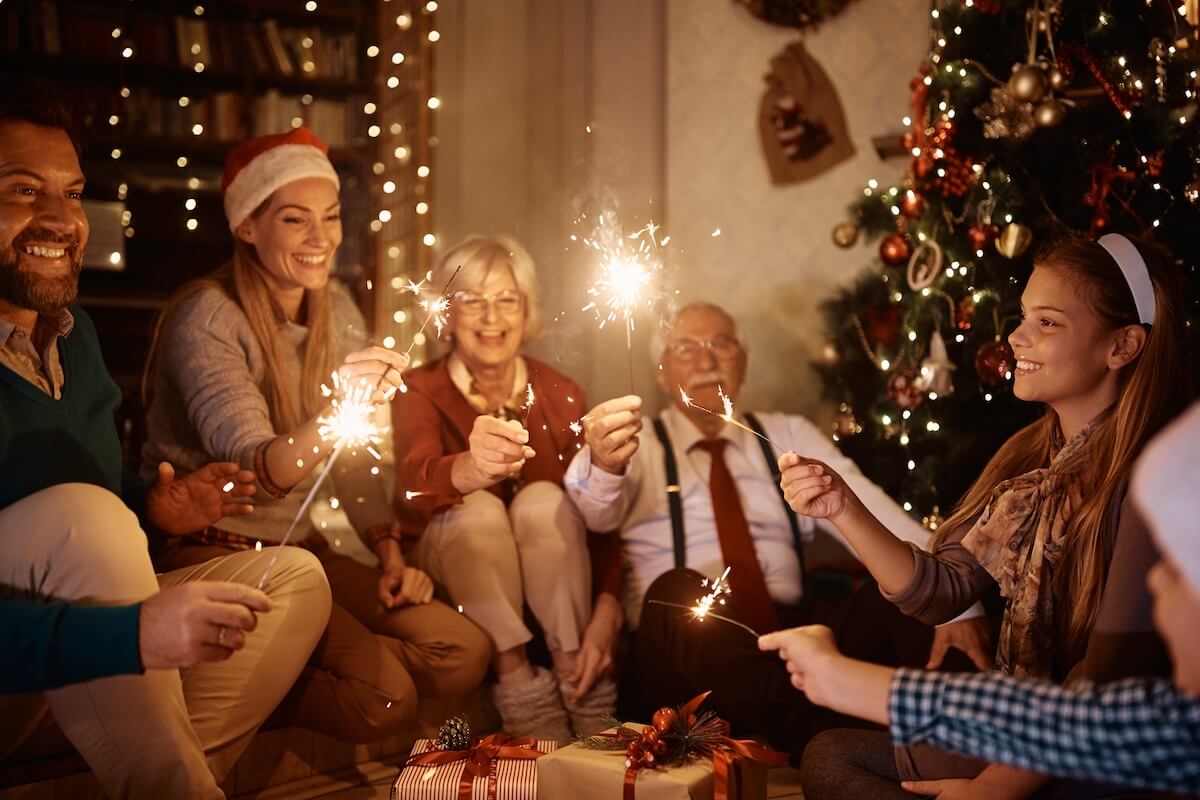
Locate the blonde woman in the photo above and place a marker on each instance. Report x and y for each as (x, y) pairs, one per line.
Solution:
(479, 487)
(235, 370)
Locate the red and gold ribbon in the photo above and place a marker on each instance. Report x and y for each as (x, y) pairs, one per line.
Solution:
(480, 758)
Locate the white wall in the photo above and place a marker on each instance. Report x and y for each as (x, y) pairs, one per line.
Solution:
(775, 261)
(671, 90)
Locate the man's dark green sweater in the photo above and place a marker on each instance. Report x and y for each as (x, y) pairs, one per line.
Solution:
(45, 442)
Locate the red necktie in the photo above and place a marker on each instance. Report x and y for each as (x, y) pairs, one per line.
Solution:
(745, 576)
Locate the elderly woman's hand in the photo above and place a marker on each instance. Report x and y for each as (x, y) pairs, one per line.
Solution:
(611, 430)
(378, 367)
(498, 450)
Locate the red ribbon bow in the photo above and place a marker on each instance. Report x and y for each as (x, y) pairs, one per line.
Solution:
(726, 756)
(480, 758)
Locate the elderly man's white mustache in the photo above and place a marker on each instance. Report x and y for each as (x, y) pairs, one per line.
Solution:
(707, 378)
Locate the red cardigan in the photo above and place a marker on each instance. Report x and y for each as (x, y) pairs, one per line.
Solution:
(431, 424)
(432, 421)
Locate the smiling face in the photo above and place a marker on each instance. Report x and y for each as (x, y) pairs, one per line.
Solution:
(487, 335)
(43, 230)
(702, 352)
(1176, 608)
(297, 234)
(1066, 356)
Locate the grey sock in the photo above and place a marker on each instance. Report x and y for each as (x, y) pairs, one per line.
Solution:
(533, 708)
(589, 715)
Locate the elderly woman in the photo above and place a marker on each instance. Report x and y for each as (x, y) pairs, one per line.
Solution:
(235, 374)
(479, 480)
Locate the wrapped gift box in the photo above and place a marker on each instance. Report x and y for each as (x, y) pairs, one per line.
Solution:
(579, 773)
(505, 779)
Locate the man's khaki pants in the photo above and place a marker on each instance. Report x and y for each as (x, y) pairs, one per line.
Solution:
(165, 733)
(492, 560)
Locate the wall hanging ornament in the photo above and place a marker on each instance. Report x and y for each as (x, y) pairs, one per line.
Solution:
(802, 125)
(802, 14)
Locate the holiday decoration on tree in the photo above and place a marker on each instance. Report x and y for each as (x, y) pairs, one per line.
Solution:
(1029, 120)
(845, 234)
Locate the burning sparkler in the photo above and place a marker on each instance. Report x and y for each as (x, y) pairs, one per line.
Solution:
(717, 589)
(629, 266)
(726, 414)
(351, 422)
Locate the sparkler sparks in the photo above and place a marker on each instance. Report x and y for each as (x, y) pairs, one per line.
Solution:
(437, 308)
(726, 414)
(717, 589)
(352, 420)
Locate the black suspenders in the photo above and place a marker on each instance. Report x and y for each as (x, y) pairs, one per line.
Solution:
(675, 502)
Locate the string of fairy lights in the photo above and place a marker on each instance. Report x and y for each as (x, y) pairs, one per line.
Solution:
(397, 126)
(942, 262)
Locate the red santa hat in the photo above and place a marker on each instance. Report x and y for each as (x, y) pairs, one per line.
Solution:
(1166, 488)
(255, 169)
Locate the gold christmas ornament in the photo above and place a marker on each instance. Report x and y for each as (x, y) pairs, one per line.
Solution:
(1013, 240)
(1049, 113)
(1057, 79)
(1192, 192)
(845, 234)
(1028, 83)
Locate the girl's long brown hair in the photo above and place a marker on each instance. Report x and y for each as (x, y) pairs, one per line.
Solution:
(1154, 388)
(244, 280)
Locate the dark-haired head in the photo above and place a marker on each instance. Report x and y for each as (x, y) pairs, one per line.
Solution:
(37, 104)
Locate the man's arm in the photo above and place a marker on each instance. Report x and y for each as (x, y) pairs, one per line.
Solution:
(603, 498)
(47, 645)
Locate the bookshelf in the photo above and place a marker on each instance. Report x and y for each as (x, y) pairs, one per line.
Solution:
(162, 89)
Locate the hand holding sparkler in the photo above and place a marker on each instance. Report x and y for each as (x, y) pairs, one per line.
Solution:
(813, 488)
(377, 367)
(611, 432)
(498, 450)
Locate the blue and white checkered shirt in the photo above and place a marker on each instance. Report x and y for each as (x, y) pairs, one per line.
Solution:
(1138, 732)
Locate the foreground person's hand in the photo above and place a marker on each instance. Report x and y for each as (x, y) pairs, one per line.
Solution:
(184, 625)
(611, 432)
(198, 499)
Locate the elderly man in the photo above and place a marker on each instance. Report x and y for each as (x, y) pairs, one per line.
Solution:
(702, 494)
(83, 617)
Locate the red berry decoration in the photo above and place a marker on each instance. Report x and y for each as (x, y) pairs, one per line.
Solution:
(994, 362)
(649, 736)
(966, 313)
(664, 719)
(894, 250)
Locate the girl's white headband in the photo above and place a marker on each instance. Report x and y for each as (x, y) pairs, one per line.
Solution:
(1133, 267)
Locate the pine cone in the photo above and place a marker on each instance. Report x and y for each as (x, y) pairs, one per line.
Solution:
(455, 734)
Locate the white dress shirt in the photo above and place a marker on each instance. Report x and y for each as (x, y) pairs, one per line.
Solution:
(635, 504)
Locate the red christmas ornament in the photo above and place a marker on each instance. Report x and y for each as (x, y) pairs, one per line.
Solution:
(649, 736)
(922, 165)
(902, 389)
(894, 250)
(664, 719)
(911, 204)
(994, 362)
(982, 236)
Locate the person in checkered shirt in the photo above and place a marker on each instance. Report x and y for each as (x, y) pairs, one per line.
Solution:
(1139, 732)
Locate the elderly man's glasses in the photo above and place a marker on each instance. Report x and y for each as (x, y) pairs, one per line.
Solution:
(689, 349)
(474, 304)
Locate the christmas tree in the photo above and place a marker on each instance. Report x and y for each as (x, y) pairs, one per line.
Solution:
(1029, 120)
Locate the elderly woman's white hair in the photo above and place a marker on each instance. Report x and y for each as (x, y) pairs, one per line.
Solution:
(661, 332)
(478, 256)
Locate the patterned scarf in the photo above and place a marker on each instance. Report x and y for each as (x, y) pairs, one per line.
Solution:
(1019, 540)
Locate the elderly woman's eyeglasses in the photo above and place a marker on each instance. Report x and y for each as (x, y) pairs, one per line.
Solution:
(474, 304)
(689, 349)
